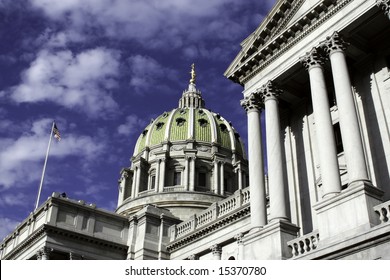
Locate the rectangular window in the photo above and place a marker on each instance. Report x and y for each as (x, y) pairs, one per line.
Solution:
(202, 179)
(337, 134)
(153, 182)
(177, 178)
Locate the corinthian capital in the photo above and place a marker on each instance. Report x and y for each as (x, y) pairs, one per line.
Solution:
(251, 102)
(335, 43)
(312, 59)
(385, 6)
(269, 90)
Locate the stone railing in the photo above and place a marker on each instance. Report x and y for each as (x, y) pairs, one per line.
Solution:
(215, 211)
(304, 244)
(383, 210)
(174, 189)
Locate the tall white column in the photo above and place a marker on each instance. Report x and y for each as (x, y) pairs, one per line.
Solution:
(349, 125)
(157, 180)
(162, 175)
(192, 173)
(326, 142)
(216, 177)
(137, 181)
(277, 190)
(134, 185)
(187, 173)
(252, 106)
(222, 180)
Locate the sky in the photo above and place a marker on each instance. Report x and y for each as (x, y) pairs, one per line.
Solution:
(102, 69)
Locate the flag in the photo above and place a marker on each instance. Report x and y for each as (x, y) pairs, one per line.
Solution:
(56, 133)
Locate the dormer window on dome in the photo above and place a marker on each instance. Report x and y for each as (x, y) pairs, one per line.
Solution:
(144, 132)
(223, 127)
(180, 121)
(159, 125)
(202, 122)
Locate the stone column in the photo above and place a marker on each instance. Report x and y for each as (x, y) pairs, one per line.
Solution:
(187, 173)
(277, 190)
(252, 106)
(216, 251)
(162, 175)
(192, 173)
(216, 177)
(134, 185)
(137, 181)
(157, 181)
(222, 180)
(239, 176)
(122, 186)
(44, 253)
(385, 6)
(349, 125)
(326, 143)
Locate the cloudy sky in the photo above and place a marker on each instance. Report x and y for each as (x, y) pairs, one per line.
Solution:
(102, 69)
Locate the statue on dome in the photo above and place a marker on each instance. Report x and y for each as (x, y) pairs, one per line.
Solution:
(193, 74)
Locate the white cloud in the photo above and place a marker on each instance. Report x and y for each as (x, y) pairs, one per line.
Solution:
(81, 81)
(21, 159)
(154, 24)
(132, 126)
(147, 73)
(7, 226)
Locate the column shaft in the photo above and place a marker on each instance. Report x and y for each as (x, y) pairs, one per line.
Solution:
(222, 180)
(278, 204)
(349, 124)
(256, 166)
(324, 129)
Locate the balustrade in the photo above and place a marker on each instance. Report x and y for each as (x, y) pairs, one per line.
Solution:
(383, 210)
(304, 244)
(218, 209)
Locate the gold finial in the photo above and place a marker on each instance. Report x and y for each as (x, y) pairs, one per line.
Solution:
(193, 74)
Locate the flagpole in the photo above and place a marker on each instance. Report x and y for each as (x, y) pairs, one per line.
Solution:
(44, 166)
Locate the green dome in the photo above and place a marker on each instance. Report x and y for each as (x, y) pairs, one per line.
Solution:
(190, 123)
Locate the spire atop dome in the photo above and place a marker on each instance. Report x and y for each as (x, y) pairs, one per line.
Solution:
(191, 97)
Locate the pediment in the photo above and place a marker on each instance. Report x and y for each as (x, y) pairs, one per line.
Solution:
(287, 18)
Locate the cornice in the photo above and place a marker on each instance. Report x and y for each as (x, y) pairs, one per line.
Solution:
(283, 41)
(47, 229)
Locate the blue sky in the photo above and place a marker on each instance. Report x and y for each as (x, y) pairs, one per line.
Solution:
(102, 69)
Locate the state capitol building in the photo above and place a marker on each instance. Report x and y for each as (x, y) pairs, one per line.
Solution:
(319, 70)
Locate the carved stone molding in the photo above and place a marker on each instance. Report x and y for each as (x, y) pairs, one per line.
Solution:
(193, 257)
(239, 238)
(216, 249)
(334, 43)
(313, 59)
(252, 103)
(268, 91)
(44, 253)
(384, 5)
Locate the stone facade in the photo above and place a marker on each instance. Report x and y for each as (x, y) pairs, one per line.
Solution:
(320, 72)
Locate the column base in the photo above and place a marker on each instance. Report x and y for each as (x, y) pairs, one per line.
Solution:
(348, 213)
(270, 242)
